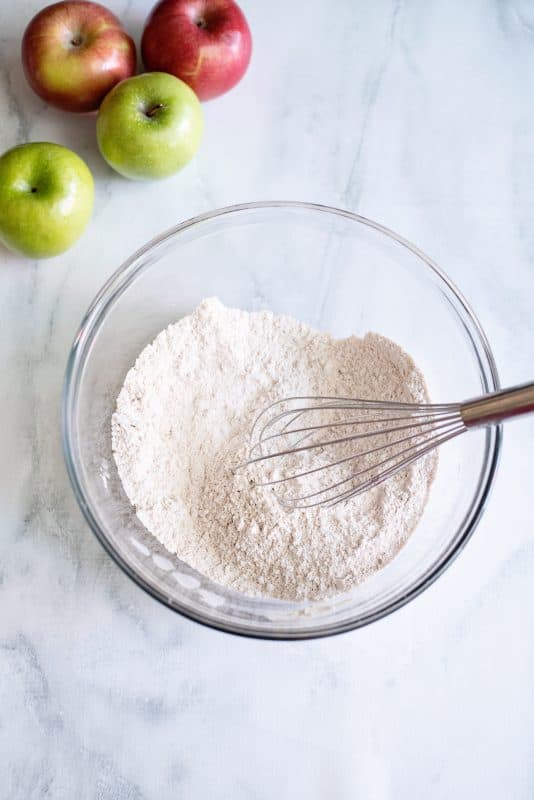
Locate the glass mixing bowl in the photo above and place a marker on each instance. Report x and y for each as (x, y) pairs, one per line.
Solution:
(335, 271)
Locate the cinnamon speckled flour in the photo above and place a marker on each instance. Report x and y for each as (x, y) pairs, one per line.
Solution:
(182, 424)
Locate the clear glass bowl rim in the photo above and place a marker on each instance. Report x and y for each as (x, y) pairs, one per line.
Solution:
(119, 281)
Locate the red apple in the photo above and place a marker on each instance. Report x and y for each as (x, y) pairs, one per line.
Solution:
(74, 52)
(206, 43)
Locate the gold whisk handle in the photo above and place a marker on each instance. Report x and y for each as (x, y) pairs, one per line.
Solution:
(499, 406)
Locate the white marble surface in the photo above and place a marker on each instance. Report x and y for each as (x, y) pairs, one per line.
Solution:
(420, 115)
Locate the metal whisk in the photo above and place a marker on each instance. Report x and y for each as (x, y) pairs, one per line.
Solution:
(320, 451)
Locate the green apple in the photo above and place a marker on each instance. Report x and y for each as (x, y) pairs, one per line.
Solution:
(46, 198)
(149, 126)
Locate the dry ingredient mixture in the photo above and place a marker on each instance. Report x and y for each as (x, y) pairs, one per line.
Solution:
(182, 424)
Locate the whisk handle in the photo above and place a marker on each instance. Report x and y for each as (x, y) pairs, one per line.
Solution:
(499, 406)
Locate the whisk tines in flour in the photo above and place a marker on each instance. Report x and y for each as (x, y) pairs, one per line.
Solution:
(320, 451)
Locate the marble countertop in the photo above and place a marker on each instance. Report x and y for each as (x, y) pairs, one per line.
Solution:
(420, 116)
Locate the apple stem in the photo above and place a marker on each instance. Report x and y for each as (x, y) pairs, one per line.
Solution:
(201, 23)
(76, 41)
(153, 109)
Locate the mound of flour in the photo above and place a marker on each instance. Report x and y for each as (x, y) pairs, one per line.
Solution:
(182, 424)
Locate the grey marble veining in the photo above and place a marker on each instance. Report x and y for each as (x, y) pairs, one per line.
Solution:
(417, 114)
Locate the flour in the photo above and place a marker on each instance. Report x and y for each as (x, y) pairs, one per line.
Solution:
(182, 424)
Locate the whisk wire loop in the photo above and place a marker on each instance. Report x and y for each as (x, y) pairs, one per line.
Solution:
(297, 441)
(290, 432)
